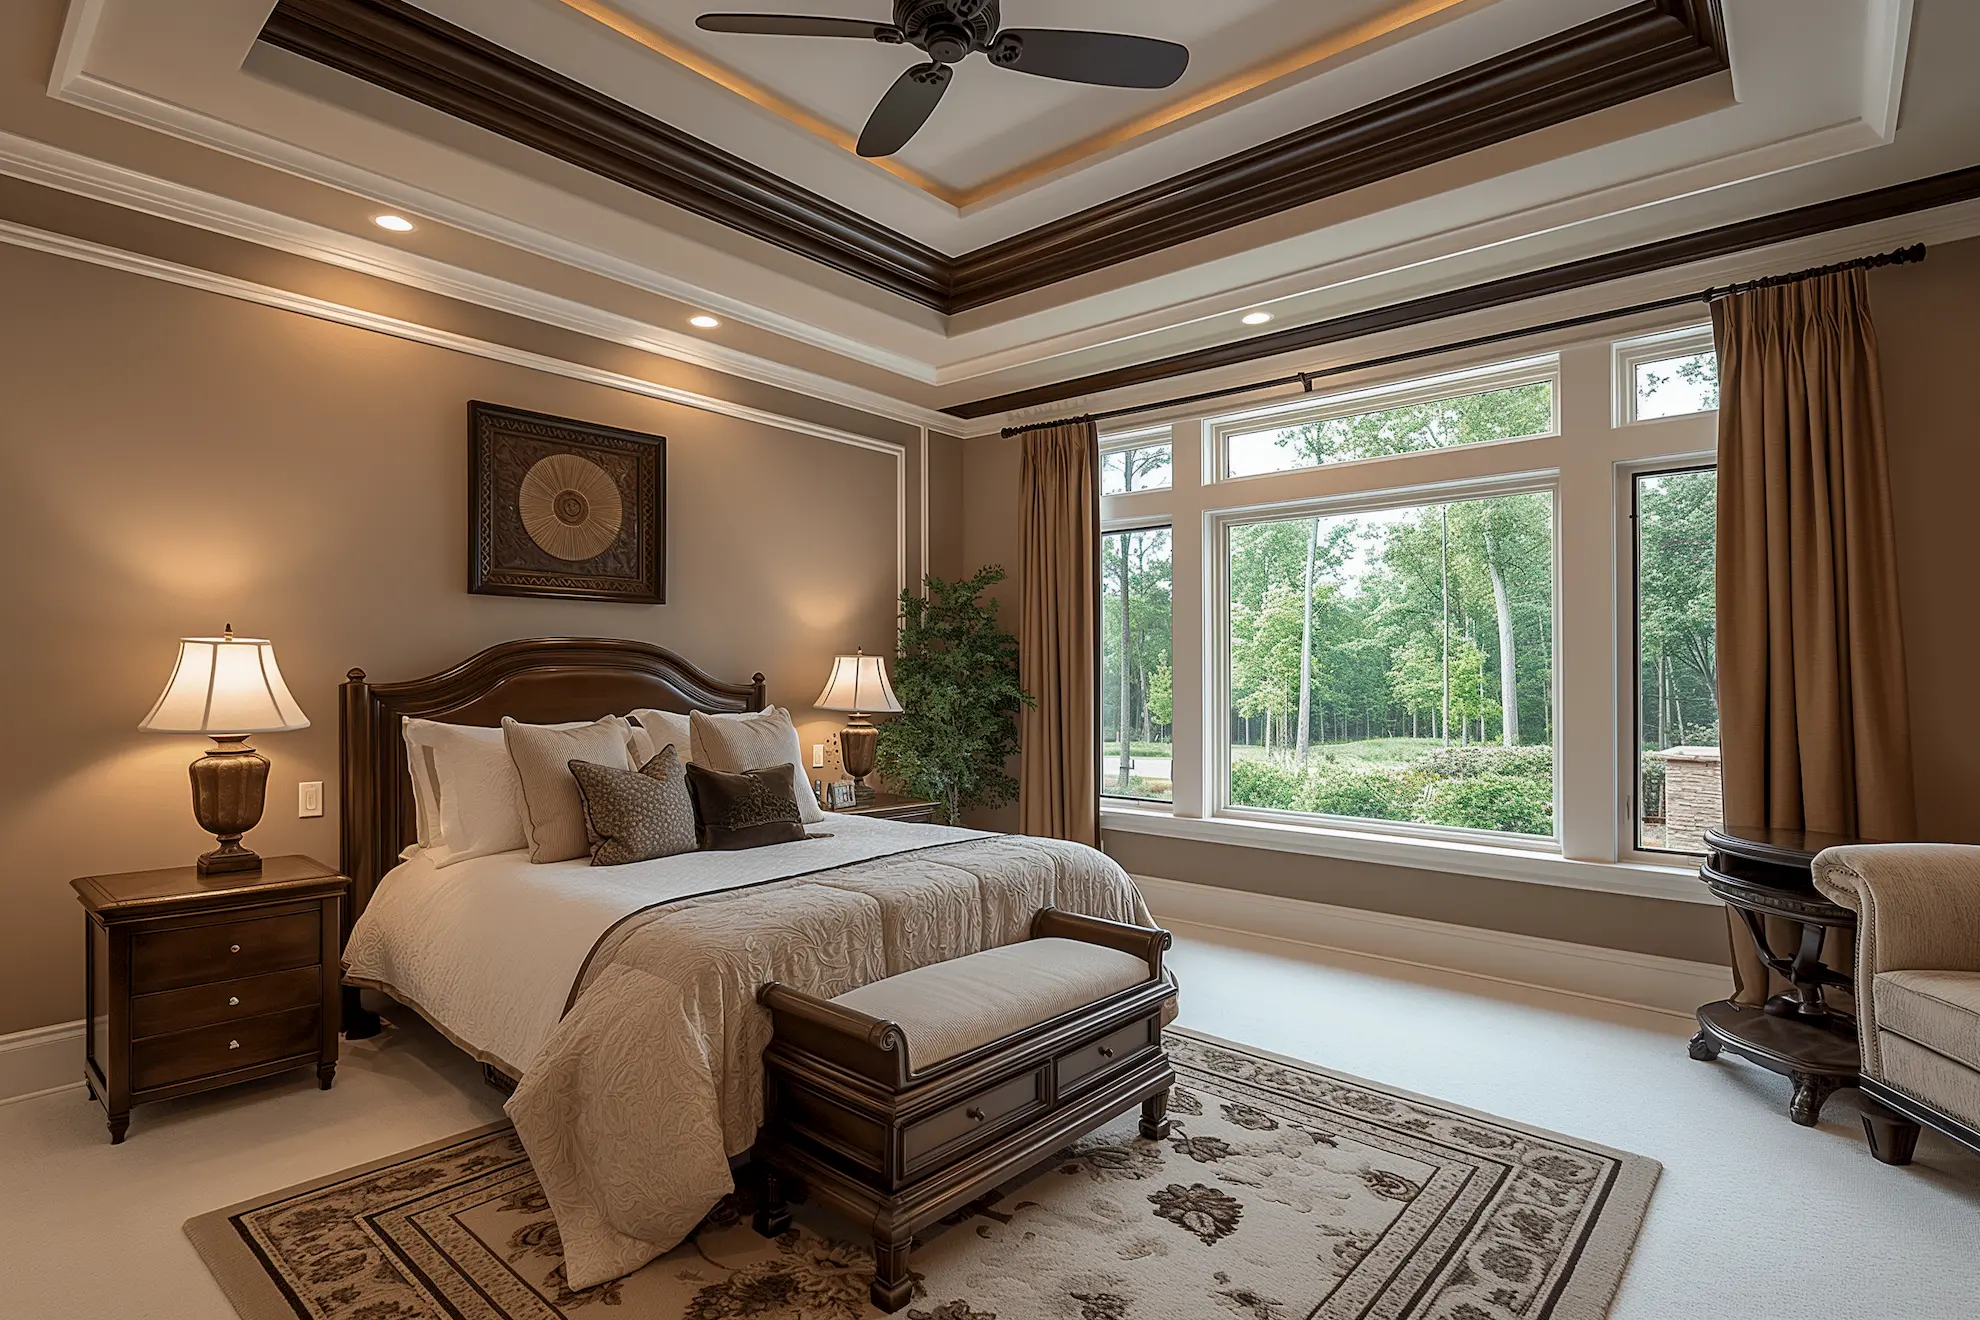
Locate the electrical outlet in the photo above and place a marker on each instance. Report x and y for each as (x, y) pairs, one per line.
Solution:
(309, 798)
(818, 756)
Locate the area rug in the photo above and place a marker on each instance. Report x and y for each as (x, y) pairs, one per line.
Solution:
(1284, 1192)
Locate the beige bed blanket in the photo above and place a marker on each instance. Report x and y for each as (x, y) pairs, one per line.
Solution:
(654, 1078)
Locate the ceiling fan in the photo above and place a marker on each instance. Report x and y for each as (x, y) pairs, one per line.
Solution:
(948, 31)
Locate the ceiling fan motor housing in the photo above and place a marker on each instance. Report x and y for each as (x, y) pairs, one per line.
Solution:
(947, 29)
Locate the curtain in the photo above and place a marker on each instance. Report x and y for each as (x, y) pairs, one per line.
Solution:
(1813, 711)
(1059, 634)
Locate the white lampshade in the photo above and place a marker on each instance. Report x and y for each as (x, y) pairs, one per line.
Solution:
(859, 684)
(226, 685)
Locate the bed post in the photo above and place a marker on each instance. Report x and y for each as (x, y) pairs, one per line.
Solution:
(757, 699)
(357, 858)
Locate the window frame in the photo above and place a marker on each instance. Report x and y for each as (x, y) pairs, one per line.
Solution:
(1534, 370)
(1217, 710)
(1629, 624)
(1629, 354)
(1145, 523)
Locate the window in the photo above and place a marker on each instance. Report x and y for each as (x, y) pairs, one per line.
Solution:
(1136, 462)
(1136, 682)
(1669, 375)
(1396, 664)
(1677, 703)
(1350, 430)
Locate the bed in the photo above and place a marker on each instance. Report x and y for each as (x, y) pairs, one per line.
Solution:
(622, 999)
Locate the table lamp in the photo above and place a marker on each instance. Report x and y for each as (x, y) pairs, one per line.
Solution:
(859, 685)
(227, 688)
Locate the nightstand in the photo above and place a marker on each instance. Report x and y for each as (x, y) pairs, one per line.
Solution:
(196, 982)
(889, 807)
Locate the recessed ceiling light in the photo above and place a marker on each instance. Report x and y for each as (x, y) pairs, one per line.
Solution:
(703, 322)
(398, 224)
(1257, 318)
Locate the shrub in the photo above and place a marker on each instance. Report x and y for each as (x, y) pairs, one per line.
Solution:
(1469, 762)
(1653, 788)
(1371, 793)
(1515, 804)
(1262, 784)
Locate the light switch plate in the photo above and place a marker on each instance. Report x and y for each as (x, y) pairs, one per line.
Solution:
(818, 756)
(309, 798)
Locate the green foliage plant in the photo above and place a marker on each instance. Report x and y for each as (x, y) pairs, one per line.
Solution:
(956, 674)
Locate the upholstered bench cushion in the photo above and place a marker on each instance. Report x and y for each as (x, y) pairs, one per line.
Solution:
(1939, 1010)
(951, 1007)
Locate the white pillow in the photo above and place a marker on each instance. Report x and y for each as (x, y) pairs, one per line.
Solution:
(553, 818)
(657, 728)
(468, 796)
(755, 741)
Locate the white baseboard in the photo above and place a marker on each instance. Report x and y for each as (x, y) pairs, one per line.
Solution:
(1640, 980)
(40, 1061)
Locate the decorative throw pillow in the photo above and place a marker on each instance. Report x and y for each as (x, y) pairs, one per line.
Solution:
(734, 743)
(553, 813)
(637, 816)
(745, 809)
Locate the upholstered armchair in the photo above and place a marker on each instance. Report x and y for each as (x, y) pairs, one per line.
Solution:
(1917, 911)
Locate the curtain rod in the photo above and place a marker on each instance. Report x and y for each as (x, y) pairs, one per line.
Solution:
(1903, 256)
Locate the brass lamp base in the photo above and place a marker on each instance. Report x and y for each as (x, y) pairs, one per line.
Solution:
(230, 787)
(859, 749)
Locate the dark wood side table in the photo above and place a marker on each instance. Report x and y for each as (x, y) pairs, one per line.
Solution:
(196, 982)
(888, 806)
(1763, 873)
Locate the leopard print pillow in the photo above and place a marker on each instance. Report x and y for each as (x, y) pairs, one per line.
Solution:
(636, 816)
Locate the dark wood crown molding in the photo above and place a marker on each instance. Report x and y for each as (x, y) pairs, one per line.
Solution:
(1648, 47)
(1701, 245)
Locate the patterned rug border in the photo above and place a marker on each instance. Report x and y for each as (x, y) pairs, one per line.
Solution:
(1590, 1288)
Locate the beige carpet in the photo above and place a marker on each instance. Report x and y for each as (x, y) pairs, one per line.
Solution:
(1285, 1192)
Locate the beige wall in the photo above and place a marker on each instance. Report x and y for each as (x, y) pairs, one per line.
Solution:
(174, 461)
(1928, 327)
(1928, 318)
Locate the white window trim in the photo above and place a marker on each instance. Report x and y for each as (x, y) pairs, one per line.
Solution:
(1632, 353)
(1585, 454)
(1382, 398)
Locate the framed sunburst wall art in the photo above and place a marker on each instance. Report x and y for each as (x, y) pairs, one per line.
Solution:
(564, 508)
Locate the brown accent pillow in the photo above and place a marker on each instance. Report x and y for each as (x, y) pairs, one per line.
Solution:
(746, 808)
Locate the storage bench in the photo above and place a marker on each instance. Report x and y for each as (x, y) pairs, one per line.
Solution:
(904, 1100)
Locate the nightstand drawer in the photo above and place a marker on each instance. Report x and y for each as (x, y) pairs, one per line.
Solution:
(226, 951)
(225, 1001)
(185, 1055)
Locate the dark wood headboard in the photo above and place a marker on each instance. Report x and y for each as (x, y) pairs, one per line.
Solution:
(544, 680)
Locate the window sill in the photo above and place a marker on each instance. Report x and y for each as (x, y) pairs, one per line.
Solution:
(1496, 862)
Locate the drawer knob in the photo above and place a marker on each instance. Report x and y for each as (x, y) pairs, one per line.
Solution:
(973, 1114)
(233, 1001)
(233, 1044)
(233, 948)
(1106, 1051)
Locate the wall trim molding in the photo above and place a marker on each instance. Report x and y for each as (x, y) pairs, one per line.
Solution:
(1644, 48)
(41, 1061)
(1672, 986)
(83, 176)
(192, 277)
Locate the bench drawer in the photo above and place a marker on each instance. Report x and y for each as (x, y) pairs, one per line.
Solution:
(184, 1055)
(224, 951)
(225, 1001)
(957, 1128)
(1076, 1066)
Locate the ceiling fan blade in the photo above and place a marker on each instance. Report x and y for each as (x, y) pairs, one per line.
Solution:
(904, 109)
(799, 25)
(1108, 59)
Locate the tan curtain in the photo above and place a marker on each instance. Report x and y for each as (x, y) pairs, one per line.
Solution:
(1814, 717)
(1059, 634)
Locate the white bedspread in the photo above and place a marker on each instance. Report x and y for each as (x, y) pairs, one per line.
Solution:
(488, 949)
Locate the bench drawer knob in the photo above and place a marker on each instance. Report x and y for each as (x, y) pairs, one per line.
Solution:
(233, 1001)
(233, 948)
(973, 1114)
(233, 1044)
(1106, 1052)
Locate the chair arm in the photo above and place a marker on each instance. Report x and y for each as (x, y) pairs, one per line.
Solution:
(1917, 905)
(1145, 942)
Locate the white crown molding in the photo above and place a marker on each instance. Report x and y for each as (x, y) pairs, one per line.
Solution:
(84, 176)
(41, 1061)
(1662, 985)
(137, 263)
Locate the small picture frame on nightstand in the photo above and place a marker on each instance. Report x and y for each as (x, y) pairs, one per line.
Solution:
(840, 794)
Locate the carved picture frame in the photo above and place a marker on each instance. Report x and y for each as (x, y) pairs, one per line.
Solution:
(565, 508)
